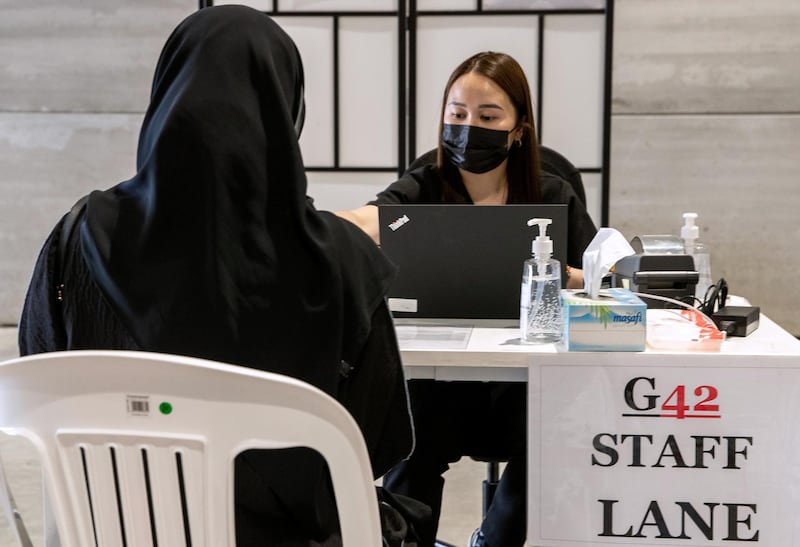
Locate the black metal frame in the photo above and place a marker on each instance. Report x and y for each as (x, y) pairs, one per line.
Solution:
(336, 16)
(407, 16)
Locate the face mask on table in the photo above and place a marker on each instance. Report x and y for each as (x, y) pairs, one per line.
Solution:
(475, 149)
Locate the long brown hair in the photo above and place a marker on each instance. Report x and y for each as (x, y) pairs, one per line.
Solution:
(524, 180)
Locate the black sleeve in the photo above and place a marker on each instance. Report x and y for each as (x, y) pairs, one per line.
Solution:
(421, 185)
(82, 320)
(41, 327)
(375, 394)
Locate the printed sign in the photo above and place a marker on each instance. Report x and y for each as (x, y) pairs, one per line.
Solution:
(676, 453)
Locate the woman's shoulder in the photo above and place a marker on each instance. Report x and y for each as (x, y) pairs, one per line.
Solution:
(428, 174)
(421, 185)
(556, 190)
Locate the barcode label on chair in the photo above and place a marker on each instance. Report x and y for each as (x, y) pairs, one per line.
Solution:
(138, 405)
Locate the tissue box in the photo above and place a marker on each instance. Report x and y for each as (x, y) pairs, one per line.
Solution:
(615, 321)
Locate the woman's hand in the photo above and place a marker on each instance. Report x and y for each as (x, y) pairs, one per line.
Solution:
(366, 218)
(575, 279)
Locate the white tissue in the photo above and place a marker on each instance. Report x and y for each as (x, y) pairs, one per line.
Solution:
(607, 247)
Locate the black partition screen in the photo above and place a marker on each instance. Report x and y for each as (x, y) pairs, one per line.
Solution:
(375, 74)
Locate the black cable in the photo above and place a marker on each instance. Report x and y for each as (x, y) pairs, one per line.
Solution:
(715, 297)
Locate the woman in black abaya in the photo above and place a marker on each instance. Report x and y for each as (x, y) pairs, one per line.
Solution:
(213, 250)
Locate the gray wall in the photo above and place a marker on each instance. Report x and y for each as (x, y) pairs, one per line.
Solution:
(74, 83)
(705, 118)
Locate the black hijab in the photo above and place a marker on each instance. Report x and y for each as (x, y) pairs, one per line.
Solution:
(213, 249)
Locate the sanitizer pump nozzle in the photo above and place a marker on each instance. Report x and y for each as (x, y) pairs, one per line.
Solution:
(540, 297)
(542, 246)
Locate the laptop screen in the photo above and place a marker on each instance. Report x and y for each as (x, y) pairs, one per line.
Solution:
(463, 261)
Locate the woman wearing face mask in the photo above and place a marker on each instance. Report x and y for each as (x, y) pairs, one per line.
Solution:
(488, 154)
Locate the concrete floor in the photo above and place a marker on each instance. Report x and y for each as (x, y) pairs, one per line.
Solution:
(460, 513)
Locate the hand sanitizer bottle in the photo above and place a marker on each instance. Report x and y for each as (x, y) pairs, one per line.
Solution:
(540, 298)
(702, 257)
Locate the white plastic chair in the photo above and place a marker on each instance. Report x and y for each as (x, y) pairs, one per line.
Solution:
(137, 445)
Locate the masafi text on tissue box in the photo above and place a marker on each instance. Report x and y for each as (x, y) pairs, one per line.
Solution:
(614, 321)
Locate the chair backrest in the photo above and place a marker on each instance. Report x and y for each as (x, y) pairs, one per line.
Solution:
(551, 161)
(138, 448)
(555, 163)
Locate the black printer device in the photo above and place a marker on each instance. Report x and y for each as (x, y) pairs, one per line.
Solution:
(670, 275)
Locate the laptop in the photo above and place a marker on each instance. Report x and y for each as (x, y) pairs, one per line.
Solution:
(463, 263)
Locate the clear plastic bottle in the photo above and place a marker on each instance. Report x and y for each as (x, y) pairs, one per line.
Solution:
(690, 234)
(540, 297)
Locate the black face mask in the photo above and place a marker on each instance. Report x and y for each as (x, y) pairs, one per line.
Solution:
(475, 149)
